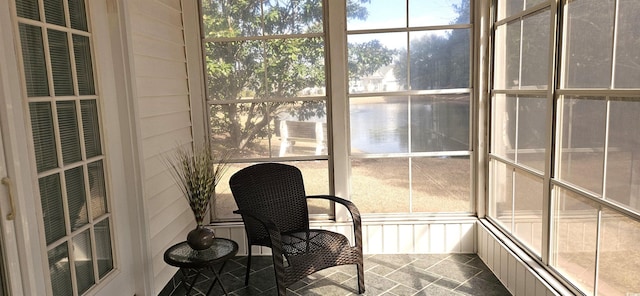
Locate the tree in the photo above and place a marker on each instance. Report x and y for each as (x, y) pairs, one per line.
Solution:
(271, 51)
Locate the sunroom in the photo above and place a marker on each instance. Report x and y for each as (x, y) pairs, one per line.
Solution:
(502, 128)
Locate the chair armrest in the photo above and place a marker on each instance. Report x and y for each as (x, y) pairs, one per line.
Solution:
(355, 215)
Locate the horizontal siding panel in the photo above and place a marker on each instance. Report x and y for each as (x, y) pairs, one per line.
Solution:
(146, 46)
(159, 144)
(152, 67)
(162, 277)
(161, 13)
(157, 29)
(164, 199)
(154, 106)
(160, 222)
(155, 185)
(159, 125)
(160, 87)
(175, 4)
(175, 230)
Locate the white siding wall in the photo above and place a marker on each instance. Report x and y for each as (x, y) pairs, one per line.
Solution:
(519, 273)
(162, 97)
(406, 237)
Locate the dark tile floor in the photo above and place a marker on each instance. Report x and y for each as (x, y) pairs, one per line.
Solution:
(446, 274)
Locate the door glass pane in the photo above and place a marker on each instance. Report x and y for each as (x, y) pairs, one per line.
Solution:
(619, 261)
(627, 53)
(84, 68)
(582, 142)
(97, 188)
(60, 271)
(103, 247)
(69, 133)
(78, 15)
(83, 261)
(535, 51)
(370, 134)
(90, 128)
(35, 70)
(501, 189)
(76, 197)
(44, 141)
(527, 213)
(440, 184)
(586, 65)
(60, 63)
(52, 209)
(380, 185)
(54, 12)
(623, 154)
(574, 222)
(28, 9)
(440, 123)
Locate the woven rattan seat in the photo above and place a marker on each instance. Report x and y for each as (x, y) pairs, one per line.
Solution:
(272, 202)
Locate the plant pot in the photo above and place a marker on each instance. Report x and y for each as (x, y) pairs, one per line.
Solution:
(200, 238)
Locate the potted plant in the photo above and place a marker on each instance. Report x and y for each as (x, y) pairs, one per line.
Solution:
(197, 173)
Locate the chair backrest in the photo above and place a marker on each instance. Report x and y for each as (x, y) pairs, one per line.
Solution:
(275, 191)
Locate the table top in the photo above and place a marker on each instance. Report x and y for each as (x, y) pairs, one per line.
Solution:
(181, 255)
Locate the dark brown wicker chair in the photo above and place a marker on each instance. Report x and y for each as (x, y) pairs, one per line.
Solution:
(273, 205)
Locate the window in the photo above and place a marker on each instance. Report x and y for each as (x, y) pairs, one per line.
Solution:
(409, 96)
(64, 108)
(561, 140)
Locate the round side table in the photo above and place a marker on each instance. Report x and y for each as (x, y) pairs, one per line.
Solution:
(182, 256)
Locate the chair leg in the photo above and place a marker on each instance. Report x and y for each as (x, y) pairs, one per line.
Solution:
(246, 277)
(360, 268)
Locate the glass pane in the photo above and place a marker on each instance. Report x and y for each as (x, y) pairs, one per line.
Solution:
(437, 12)
(235, 70)
(35, 69)
(231, 18)
(90, 128)
(380, 185)
(28, 9)
(627, 53)
(84, 68)
(44, 141)
(438, 59)
(623, 154)
(440, 123)
(619, 261)
(589, 22)
(293, 65)
(574, 223)
(508, 8)
(501, 197)
(60, 271)
(376, 14)
(104, 254)
(69, 133)
(83, 261)
(60, 63)
(76, 197)
(532, 131)
(532, 3)
(527, 213)
(503, 126)
(98, 189)
(284, 17)
(441, 185)
(316, 182)
(535, 50)
(77, 15)
(582, 142)
(507, 56)
(54, 12)
(370, 134)
(371, 62)
(52, 211)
